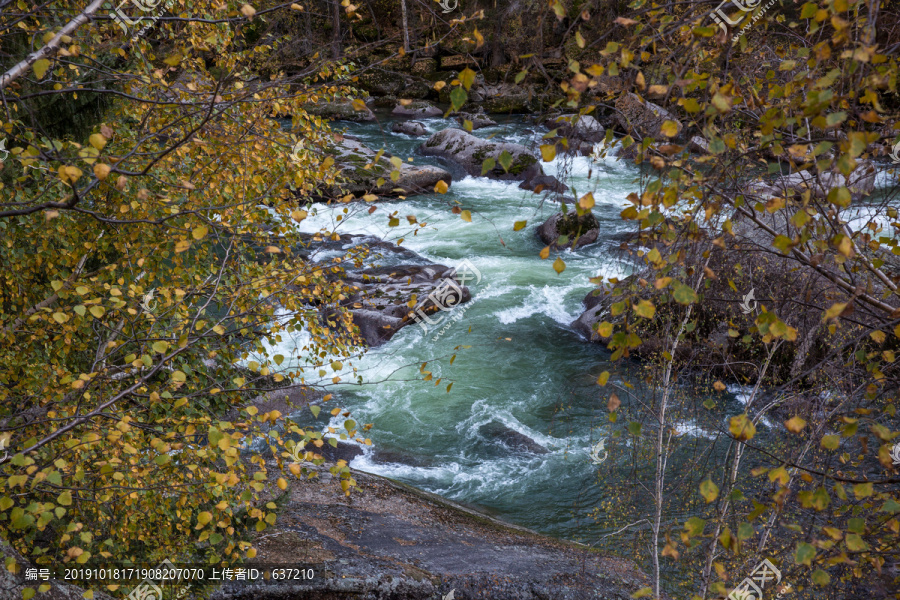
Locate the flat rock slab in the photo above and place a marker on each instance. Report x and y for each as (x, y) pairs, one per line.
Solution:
(470, 152)
(393, 542)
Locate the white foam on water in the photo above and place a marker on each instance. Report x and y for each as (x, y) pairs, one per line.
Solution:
(546, 300)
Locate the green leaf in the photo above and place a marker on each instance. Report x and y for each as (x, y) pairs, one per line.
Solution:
(65, 499)
(645, 309)
(694, 526)
(745, 531)
(458, 97)
(505, 160)
(855, 543)
(160, 347)
(839, 196)
(315, 410)
(80, 310)
(804, 554)
(634, 428)
(831, 442)
(97, 311)
(709, 490)
(820, 577)
(487, 165)
(684, 294)
(521, 75)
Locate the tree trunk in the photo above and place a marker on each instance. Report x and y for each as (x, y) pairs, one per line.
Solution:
(405, 26)
(336, 26)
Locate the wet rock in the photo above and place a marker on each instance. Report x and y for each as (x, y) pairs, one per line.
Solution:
(478, 120)
(642, 117)
(339, 110)
(385, 101)
(584, 128)
(544, 183)
(413, 128)
(506, 98)
(417, 108)
(698, 144)
(861, 182)
(470, 152)
(352, 157)
(510, 438)
(562, 231)
(379, 298)
(390, 541)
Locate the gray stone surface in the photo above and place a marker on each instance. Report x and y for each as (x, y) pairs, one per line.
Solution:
(470, 152)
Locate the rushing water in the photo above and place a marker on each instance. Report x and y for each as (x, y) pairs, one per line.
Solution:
(524, 367)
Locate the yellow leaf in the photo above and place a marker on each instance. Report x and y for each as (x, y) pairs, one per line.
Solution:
(69, 174)
(101, 171)
(299, 215)
(587, 201)
(558, 265)
(97, 141)
(359, 105)
(282, 484)
(182, 245)
(204, 518)
(40, 67)
(548, 152)
(440, 187)
(199, 232)
(439, 85)
(795, 424)
(178, 376)
(248, 11)
(466, 216)
(741, 427)
(273, 250)
(604, 377)
(546, 252)
(97, 311)
(519, 225)
(296, 7)
(60, 317)
(669, 129)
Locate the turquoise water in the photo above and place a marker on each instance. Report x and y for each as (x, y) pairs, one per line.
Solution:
(525, 368)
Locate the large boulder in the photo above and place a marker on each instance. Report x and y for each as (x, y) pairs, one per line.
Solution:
(860, 183)
(353, 158)
(339, 110)
(505, 98)
(470, 152)
(510, 438)
(413, 128)
(569, 230)
(643, 118)
(418, 108)
(380, 298)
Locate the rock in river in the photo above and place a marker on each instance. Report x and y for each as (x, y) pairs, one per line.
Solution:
(561, 231)
(470, 152)
(352, 157)
(339, 110)
(418, 108)
(413, 128)
(510, 438)
(642, 117)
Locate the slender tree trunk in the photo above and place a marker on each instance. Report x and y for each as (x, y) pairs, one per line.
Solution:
(336, 26)
(405, 26)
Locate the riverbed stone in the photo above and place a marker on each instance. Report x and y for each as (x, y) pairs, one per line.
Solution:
(562, 231)
(642, 117)
(478, 120)
(417, 108)
(860, 183)
(413, 128)
(352, 156)
(577, 128)
(470, 152)
(390, 541)
(544, 183)
(339, 110)
(510, 438)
